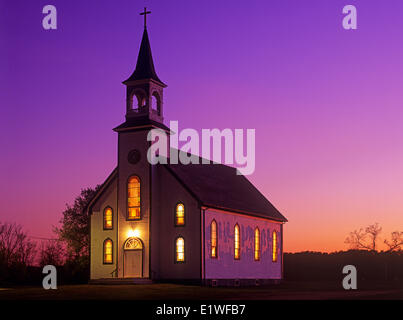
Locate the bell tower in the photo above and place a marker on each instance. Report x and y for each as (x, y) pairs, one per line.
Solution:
(144, 112)
(144, 90)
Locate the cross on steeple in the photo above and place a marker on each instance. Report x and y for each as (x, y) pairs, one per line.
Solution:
(145, 16)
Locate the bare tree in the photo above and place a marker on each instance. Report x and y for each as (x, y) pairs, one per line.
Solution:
(357, 240)
(373, 232)
(15, 247)
(51, 252)
(396, 242)
(364, 240)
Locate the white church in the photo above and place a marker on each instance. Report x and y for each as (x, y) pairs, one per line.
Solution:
(198, 223)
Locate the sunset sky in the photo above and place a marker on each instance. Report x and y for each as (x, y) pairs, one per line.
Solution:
(326, 103)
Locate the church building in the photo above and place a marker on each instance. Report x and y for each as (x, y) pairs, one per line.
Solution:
(199, 223)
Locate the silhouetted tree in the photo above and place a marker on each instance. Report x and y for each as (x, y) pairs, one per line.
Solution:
(396, 241)
(51, 252)
(17, 253)
(15, 246)
(75, 230)
(358, 239)
(373, 231)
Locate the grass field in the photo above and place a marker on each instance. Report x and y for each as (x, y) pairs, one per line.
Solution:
(286, 290)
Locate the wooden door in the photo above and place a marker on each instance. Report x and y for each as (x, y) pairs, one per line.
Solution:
(133, 263)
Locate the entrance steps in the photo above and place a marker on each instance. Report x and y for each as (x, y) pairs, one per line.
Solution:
(121, 281)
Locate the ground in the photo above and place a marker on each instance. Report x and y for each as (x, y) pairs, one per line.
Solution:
(286, 290)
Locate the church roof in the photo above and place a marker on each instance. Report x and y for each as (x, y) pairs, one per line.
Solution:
(218, 186)
(135, 123)
(102, 188)
(145, 65)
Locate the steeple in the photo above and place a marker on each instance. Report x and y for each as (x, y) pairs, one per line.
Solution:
(145, 64)
(144, 90)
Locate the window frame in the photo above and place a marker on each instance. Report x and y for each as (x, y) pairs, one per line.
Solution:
(211, 240)
(127, 199)
(104, 251)
(175, 250)
(239, 242)
(104, 221)
(184, 215)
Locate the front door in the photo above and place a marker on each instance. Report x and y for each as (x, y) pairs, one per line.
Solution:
(133, 258)
(133, 264)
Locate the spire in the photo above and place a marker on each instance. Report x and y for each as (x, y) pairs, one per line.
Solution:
(145, 65)
(144, 90)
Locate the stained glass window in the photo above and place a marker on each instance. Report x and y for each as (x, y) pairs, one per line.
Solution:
(180, 249)
(133, 198)
(236, 243)
(213, 236)
(180, 215)
(133, 244)
(274, 246)
(108, 251)
(108, 219)
(257, 244)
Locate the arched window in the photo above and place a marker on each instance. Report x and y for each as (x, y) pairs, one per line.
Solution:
(274, 246)
(180, 250)
(133, 244)
(257, 244)
(180, 214)
(156, 102)
(213, 238)
(138, 99)
(108, 218)
(236, 243)
(133, 198)
(108, 251)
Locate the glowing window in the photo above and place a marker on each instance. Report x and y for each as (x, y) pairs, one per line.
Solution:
(213, 238)
(108, 251)
(180, 215)
(133, 198)
(236, 243)
(108, 219)
(257, 244)
(274, 246)
(133, 244)
(180, 249)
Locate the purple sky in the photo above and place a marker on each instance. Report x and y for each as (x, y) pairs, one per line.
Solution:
(326, 103)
